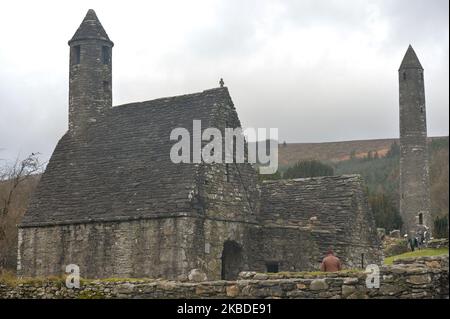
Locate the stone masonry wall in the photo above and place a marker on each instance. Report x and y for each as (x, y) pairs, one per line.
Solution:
(143, 248)
(90, 84)
(159, 248)
(414, 161)
(421, 278)
(303, 218)
(205, 242)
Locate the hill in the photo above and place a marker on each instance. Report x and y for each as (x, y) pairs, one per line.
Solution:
(377, 161)
(291, 153)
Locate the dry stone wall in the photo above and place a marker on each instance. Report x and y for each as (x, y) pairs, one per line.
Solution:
(421, 278)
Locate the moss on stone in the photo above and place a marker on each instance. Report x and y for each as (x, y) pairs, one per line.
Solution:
(287, 274)
(10, 279)
(118, 280)
(91, 294)
(417, 253)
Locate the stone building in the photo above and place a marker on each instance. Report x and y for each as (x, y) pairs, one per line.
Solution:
(112, 201)
(414, 167)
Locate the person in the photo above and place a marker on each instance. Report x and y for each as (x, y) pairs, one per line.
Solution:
(330, 263)
(416, 242)
(411, 243)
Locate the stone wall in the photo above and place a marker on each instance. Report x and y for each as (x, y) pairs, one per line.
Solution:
(303, 218)
(438, 243)
(421, 278)
(144, 248)
(208, 241)
(90, 75)
(158, 248)
(414, 158)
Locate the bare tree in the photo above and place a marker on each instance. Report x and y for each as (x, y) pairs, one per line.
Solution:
(12, 176)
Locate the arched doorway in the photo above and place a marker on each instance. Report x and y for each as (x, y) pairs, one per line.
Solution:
(232, 260)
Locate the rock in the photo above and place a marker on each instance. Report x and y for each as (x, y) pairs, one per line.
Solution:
(298, 294)
(125, 288)
(168, 285)
(313, 219)
(275, 291)
(381, 232)
(182, 278)
(260, 277)
(433, 264)
(347, 290)
(350, 281)
(391, 289)
(247, 274)
(395, 234)
(301, 286)
(196, 275)
(416, 270)
(419, 279)
(397, 270)
(202, 290)
(358, 295)
(232, 291)
(318, 284)
(438, 243)
(419, 295)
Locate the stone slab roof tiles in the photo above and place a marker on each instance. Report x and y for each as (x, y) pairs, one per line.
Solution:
(121, 168)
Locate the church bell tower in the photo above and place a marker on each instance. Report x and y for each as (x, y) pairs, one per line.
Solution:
(90, 75)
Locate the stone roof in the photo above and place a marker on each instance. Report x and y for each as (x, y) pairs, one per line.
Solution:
(121, 167)
(90, 28)
(410, 61)
(329, 200)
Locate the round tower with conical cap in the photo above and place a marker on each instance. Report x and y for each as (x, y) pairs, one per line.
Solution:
(414, 166)
(90, 75)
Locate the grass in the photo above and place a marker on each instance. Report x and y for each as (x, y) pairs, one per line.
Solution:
(116, 280)
(91, 295)
(9, 278)
(417, 253)
(313, 273)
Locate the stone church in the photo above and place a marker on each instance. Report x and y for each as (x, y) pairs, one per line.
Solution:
(112, 202)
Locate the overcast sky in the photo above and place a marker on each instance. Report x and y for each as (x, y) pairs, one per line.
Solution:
(319, 70)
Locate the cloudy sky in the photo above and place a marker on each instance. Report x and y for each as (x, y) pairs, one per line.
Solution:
(319, 70)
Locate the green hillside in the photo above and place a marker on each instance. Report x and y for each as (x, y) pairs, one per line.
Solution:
(377, 161)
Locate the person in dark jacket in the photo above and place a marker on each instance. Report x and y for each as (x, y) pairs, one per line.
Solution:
(411, 243)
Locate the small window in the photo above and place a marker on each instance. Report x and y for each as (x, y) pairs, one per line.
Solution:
(76, 54)
(227, 172)
(404, 75)
(421, 76)
(420, 219)
(272, 267)
(421, 110)
(106, 56)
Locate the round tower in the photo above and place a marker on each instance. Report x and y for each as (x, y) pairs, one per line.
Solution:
(90, 75)
(414, 166)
